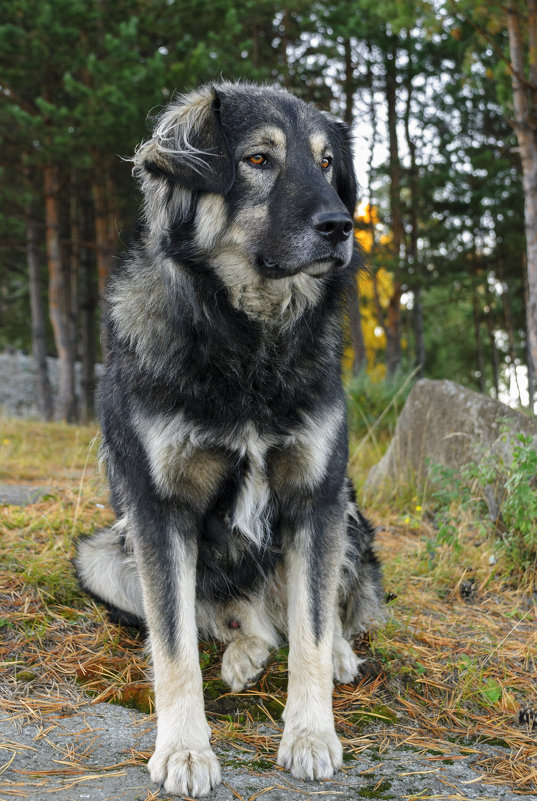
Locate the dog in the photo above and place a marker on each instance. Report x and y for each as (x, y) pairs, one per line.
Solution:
(224, 424)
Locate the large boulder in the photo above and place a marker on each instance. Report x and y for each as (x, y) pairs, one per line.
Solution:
(18, 392)
(444, 423)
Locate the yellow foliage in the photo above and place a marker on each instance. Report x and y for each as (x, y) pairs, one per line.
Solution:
(374, 336)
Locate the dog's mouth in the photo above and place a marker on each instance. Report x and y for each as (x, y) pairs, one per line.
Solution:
(316, 269)
(270, 268)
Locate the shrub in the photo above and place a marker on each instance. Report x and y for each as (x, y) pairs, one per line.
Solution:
(499, 498)
(376, 404)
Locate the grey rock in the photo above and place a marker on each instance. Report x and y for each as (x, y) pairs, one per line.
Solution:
(444, 423)
(21, 494)
(18, 397)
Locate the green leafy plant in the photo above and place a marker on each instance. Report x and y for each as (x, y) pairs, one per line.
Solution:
(519, 504)
(456, 495)
(499, 498)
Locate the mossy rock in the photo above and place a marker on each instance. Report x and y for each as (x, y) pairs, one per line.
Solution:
(135, 696)
(378, 790)
(26, 675)
(380, 712)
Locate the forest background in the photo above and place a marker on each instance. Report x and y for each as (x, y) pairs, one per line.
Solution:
(443, 99)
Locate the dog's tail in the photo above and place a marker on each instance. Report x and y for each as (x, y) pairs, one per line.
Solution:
(107, 571)
(361, 591)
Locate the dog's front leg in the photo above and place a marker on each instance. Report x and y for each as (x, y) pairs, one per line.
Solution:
(309, 747)
(183, 761)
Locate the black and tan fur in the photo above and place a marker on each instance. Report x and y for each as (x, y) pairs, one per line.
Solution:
(223, 419)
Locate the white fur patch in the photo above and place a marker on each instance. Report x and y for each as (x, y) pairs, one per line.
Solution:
(251, 514)
(108, 571)
(310, 755)
(253, 613)
(266, 136)
(276, 303)
(345, 663)
(180, 120)
(316, 439)
(243, 661)
(165, 440)
(137, 303)
(211, 218)
(159, 205)
(320, 147)
(170, 440)
(171, 138)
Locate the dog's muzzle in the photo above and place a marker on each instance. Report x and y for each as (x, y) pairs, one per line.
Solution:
(330, 248)
(335, 227)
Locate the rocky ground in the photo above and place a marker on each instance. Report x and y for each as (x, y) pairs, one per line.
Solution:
(90, 754)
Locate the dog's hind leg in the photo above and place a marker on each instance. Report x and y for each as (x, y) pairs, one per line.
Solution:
(246, 627)
(360, 592)
(106, 569)
(253, 636)
(345, 663)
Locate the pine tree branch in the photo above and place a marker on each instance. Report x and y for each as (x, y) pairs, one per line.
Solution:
(489, 39)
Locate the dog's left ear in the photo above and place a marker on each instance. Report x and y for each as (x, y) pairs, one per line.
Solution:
(345, 176)
(189, 146)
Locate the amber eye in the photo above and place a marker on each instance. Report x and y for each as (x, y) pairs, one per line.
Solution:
(258, 159)
(326, 162)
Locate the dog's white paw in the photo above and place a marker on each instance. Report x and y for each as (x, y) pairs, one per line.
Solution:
(345, 662)
(310, 755)
(243, 662)
(185, 772)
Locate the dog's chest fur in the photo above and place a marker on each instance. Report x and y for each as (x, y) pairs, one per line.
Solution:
(242, 471)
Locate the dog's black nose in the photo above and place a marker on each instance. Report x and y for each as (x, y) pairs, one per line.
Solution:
(333, 225)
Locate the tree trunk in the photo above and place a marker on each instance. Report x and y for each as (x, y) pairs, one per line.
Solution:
(359, 359)
(59, 305)
(508, 319)
(529, 363)
(348, 86)
(412, 250)
(524, 107)
(45, 400)
(393, 330)
(417, 325)
(74, 261)
(89, 303)
(284, 47)
(478, 341)
(492, 339)
(103, 238)
(353, 299)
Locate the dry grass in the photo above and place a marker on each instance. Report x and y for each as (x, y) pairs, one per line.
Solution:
(447, 673)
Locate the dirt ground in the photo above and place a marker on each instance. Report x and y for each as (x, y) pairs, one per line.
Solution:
(61, 746)
(91, 754)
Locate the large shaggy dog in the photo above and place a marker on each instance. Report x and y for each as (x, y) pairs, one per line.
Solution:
(223, 420)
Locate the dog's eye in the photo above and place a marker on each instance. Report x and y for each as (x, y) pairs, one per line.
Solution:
(257, 160)
(326, 162)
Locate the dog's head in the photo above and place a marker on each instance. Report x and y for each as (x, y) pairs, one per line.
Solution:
(266, 180)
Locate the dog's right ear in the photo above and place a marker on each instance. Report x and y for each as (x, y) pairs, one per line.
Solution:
(188, 146)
